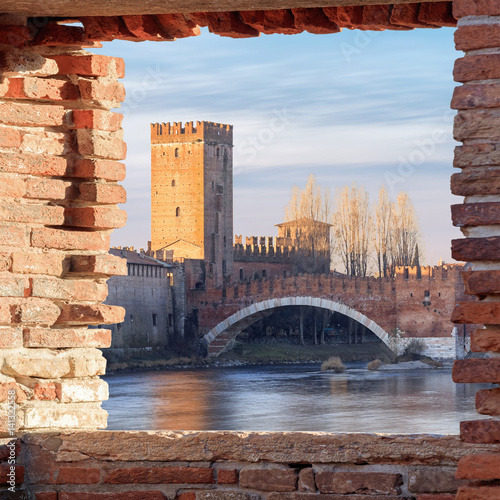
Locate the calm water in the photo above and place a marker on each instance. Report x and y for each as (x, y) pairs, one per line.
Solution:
(290, 398)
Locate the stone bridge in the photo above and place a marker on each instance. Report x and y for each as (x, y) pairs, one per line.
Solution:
(369, 301)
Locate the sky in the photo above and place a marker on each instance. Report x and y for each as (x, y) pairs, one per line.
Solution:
(364, 107)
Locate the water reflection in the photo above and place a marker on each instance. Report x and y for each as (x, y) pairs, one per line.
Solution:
(290, 398)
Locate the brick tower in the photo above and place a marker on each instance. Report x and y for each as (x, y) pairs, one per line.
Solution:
(192, 192)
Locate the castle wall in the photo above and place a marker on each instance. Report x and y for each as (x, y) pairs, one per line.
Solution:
(147, 297)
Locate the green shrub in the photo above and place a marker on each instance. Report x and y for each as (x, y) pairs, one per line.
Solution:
(374, 365)
(334, 364)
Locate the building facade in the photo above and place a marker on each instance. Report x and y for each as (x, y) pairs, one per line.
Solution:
(192, 193)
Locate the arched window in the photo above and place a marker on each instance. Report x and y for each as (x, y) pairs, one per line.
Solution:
(218, 152)
(173, 182)
(241, 274)
(176, 152)
(178, 211)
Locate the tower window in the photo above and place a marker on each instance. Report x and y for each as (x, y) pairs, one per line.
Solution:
(178, 211)
(241, 274)
(427, 293)
(264, 273)
(218, 152)
(176, 153)
(155, 319)
(173, 182)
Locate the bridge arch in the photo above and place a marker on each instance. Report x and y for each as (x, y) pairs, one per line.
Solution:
(219, 338)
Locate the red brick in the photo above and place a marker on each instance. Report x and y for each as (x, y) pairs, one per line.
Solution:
(488, 401)
(480, 431)
(102, 193)
(314, 21)
(33, 115)
(45, 495)
(368, 483)
(44, 391)
(480, 67)
(15, 36)
(227, 476)
(39, 214)
(269, 479)
(463, 8)
(157, 475)
(39, 263)
(5, 469)
(95, 118)
(186, 496)
(145, 28)
(69, 240)
(77, 314)
(472, 249)
(280, 21)
(66, 337)
(481, 282)
(107, 145)
(177, 25)
(478, 36)
(484, 340)
(478, 493)
(36, 311)
(229, 24)
(125, 495)
(95, 217)
(49, 189)
(10, 138)
(49, 89)
(99, 169)
(94, 91)
(99, 265)
(12, 187)
(477, 155)
(33, 164)
(476, 214)
(57, 35)
(105, 29)
(471, 371)
(437, 13)
(437, 496)
(12, 286)
(349, 17)
(406, 15)
(472, 96)
(77, 475)
(476, 181)
(483, 312)
(87, 65)
(306, 480)
(13, 235)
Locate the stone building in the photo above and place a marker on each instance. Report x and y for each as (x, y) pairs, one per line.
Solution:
(146, 293)
(192, 193)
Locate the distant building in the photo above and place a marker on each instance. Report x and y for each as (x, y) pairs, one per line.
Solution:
(147, 295)
(192, 193)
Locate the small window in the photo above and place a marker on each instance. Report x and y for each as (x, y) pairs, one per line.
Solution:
(213, 185)
(225, 241)
(439, 294)
(218, 152)
(427, 293)
(173, 182)
(178, 211)
(155, 319)
(411, 294)
(223, 267)
(131, 318)
(264, 273)
(406, 273)
(176, 152)
(241, 274)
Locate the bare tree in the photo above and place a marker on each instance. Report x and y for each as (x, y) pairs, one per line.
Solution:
(307, 225)
(352, 227)
(406, 232)
(384, 233)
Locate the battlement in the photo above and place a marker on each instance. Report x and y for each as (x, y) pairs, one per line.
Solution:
(262, 249)
(441, 272)
(176, 132)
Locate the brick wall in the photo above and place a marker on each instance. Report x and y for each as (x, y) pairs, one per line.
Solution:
(241, 466)
(59, 173)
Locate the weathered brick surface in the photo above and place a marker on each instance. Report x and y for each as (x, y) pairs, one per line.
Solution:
(273, 479)
(432, 480)
(483, 312)
(476, 96)
(475, 37)
(358, 482)
(98, 169)
(306, 480)
(77, 475)
(484, 340)
(98, 265)
(69, 240)
(462, 8)
(94, 217)
(478, 493)
(480, 431)
(470, 371)
(123, 495)
(477, 67)
(227, 476)
(472, 249)
(482, 282)
(165, 475)
(78, 314)
(488, 401)
(32, 115)
(479, 467)
(95, 119)
(66, 337)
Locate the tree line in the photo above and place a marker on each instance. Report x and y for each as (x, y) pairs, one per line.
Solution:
(347, 227)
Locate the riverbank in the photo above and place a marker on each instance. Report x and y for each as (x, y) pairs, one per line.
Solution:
(260, 354)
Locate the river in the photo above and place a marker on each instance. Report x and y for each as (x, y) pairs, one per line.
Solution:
(290, 398)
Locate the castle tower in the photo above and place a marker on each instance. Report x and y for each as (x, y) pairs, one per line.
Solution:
(192, 193)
